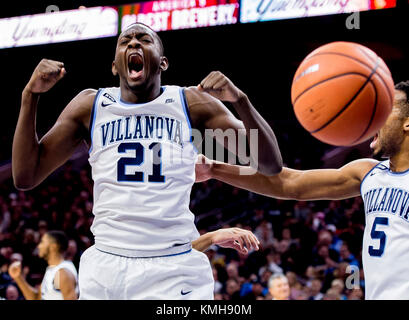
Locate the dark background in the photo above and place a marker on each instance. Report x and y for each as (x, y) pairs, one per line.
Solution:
(260, 58)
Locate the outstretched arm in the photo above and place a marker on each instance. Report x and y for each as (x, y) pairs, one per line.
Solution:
(207, 110)
(33, 159)
(320, 184)
(235, 238)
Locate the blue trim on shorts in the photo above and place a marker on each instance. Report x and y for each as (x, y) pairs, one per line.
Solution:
(168, 255)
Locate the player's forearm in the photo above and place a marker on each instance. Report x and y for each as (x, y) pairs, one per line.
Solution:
(268, 155)
(246, 178)
(28, 291)
(25, 151)
(203, 242)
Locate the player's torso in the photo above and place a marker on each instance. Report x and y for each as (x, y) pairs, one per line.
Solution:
(48, 289)
(385, 250)
(143, 164)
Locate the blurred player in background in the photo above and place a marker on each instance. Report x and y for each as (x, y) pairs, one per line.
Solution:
(384, 187)
(143, 166)
(60, 279)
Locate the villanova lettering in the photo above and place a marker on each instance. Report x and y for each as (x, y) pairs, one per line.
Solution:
(139, 127)
(387, 200)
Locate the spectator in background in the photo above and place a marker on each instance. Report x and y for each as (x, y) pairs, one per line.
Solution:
(12, 293)
(232, 289)
(346, 255)
(315, 290)
(278, 287)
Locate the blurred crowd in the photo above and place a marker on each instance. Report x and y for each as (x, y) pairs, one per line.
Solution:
(308, 250)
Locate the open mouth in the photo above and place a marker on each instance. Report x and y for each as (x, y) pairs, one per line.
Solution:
(374, 141)
(135, 65)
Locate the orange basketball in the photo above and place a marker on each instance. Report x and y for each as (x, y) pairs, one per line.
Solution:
(342, 93)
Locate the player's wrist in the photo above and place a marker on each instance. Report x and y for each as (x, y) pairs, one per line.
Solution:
(241, 101)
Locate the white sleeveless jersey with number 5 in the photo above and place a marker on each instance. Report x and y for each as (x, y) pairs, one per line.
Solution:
(385, 251)
(143, 167)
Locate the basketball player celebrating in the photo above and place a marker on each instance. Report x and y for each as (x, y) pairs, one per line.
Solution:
(143, 167)
(384, 187)
(60, 278)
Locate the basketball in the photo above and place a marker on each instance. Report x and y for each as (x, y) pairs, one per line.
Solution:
(342, 93)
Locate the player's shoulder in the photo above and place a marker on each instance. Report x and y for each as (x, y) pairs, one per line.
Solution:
(362, 167)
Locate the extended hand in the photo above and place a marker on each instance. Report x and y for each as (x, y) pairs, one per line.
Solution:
(220, 87)
(203, 168)
(235, 238)
(45, 76)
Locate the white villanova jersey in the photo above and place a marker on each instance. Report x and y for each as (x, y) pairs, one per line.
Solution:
(48, 290)
(143, 167)
(385, 251)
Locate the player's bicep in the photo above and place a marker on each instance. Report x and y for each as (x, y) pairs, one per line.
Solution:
(59, 143)
(67, 284)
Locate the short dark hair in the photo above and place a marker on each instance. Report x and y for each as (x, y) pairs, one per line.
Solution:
(404, 87)
(60, 239)
(162, 49)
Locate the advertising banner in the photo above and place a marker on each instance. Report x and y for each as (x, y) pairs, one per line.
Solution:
(265, 10)
(80, 24)
(180, 14)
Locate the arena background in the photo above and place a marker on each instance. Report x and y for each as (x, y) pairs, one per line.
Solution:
(302, 239)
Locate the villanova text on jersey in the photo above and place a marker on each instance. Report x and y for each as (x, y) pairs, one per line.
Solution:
(141, 127)
(387, 200)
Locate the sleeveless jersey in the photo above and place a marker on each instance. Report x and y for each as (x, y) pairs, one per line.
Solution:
(385, 251)
(48, 290)
(143, 167)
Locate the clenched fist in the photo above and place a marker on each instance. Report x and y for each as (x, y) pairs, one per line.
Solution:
(15, 269)
(45, 76)
(220, 87)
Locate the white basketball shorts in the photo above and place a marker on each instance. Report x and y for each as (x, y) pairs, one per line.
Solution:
(106, 276)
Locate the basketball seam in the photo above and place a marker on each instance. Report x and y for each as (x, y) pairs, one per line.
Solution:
(386, 71)
(370, 58)
(350, 101)
(373, 113)
(327, 79)
(340, 54)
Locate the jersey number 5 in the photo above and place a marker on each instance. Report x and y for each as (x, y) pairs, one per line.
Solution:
(378, 235)
(138, 176)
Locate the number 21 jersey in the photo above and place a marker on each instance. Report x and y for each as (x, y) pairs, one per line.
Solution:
(143, 166)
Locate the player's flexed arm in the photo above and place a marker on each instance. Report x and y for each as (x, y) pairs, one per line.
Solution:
(320, 184)
(208, 112)
(34, 160)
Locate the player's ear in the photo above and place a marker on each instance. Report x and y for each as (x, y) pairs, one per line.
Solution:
(114, 71)
(406, 125)
(164, 63)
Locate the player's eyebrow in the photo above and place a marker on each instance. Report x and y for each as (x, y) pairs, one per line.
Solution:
(138, 35)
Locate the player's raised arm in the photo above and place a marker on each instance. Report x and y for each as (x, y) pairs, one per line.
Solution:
(29, 292)
(206, 107)
(319, 184)
(33, 159)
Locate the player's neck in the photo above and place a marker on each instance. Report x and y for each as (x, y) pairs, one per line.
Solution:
(55, 259)
(400, 161)
(134, 96)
